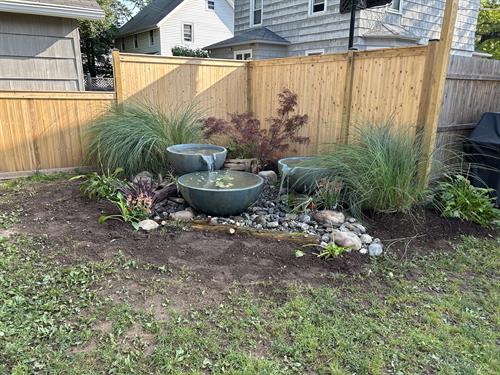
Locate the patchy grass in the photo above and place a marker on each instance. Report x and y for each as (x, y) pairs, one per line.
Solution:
(434, 314)
(19, 184)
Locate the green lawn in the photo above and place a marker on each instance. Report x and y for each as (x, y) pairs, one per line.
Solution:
(434, 314)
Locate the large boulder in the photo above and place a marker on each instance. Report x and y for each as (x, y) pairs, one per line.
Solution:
(329, 217)
(346, 239)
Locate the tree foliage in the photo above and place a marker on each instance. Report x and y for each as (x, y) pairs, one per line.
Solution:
(96, 37)
(488, 28)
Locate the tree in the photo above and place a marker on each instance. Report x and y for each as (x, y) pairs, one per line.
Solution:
(96, 37)
(488, 28)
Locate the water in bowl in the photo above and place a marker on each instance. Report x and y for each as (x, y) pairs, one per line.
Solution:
(199, 151)
(220, 180)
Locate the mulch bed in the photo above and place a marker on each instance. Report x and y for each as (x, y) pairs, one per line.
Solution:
(58, 211)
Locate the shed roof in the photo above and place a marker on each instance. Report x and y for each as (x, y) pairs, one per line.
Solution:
(256, 35)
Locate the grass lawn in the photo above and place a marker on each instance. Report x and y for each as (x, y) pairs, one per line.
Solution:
(433, 314)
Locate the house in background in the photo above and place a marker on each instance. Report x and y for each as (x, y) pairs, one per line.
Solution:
(279, 28)
(40, 44)
(164, 24)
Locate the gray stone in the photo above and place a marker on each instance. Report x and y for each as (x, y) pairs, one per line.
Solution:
(360, 227)
(305, 218)
(144, 176)
(148, 225)
(185, 215)
(214, 221)
(329, 217)
(351, 220)
(363, 250)
(303, 226)
(269, 176)
(346, 239)
(375, 249)
(291, 216)
(273, 224)
(325, 238)
(261, 219)
(366, 238)
(323, 244)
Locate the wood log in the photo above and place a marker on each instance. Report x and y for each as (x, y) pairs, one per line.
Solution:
(295, 237)
(244, 165)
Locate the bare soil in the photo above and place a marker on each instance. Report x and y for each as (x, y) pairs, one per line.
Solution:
(69, 221)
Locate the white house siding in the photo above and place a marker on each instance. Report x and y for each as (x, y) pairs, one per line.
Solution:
(210, 26)
(143, 43)
(39, 53)
(329, 30)
(424, 18)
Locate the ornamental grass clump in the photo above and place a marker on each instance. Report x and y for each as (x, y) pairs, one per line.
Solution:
(378, 170)
(135, 136)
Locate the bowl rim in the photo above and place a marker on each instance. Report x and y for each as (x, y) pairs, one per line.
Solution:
(281, 162)
(259, 182)
(171, 149)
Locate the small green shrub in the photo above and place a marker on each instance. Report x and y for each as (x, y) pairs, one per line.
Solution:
(190, 52)
(100, 186)
(457, 198)
(135, 136)
(130, 212)
(378, 169)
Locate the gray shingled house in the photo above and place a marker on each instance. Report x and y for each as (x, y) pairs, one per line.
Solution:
(279, 28)
(40, 44)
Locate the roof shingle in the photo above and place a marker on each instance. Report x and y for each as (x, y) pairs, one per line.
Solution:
(257, 35)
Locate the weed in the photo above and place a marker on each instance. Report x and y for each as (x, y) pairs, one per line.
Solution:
(100, 186)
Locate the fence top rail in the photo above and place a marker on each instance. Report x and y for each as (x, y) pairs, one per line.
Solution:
(177, 60)
(51, 95)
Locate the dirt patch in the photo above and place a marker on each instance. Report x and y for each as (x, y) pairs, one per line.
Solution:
(211, 262)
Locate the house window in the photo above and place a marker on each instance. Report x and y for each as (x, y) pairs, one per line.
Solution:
(315, 52)
(136, 42)
(123, 44)
(396, 5)
(187, 32)
(317, 6)
(243, 55)
(256, 7)
(151, 37)
(211, 4)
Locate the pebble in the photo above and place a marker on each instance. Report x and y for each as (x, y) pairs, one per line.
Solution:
(184, 215)
(329, 217)
(375, 249)
(270, 176)
(273, 224)
(325, 238)
(232, 231)
(366, 238)
(363, 250)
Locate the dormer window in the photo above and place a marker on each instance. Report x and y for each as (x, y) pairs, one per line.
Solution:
(317, 6)
(256, 7)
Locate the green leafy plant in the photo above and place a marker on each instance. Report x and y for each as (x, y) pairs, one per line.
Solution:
(378, 170)
(130, 211)
(135, 136)
(456, 197)
(328, 196)
(327, 251)
(100, 186)
(190, 52)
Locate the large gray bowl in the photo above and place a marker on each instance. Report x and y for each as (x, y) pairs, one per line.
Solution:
(241, 190)
(301, 178)
(194, 157)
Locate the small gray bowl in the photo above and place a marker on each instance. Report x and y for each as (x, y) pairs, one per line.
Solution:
(301, 179)
(194, 157)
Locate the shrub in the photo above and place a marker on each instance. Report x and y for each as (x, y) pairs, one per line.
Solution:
(457, 198)
(248, 140)
(135, 136)
(189, 52)
(378, 170)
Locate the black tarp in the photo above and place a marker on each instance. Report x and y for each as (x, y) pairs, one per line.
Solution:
(482, 150)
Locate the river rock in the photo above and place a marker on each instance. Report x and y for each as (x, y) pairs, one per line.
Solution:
(325, 238)
(366, 238)
(148, 225)
(269, 176)
(347, 239)
(375, 249)
(144, 176)
(273, 224)
(184, 215)
(329, 217)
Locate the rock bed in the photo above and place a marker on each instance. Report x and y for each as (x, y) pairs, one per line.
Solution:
(270, 214)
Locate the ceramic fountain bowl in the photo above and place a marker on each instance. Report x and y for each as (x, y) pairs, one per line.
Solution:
(298, 176)
(194, 157)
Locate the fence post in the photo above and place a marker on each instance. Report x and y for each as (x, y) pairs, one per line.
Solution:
(433, 88)
(117, 74)
(347, 99)
(249, 86)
